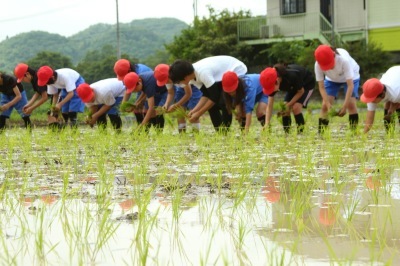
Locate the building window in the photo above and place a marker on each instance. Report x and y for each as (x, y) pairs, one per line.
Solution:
(293, 6)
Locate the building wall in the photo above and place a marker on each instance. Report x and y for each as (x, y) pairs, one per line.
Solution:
(350, 15)
(383, 13)
(388, 38)
(384, 23)
(352, 19)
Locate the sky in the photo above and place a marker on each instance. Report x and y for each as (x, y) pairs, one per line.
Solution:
(69, 17)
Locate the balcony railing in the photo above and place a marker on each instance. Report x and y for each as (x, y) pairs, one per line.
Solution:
(250, 28)
(303, 26)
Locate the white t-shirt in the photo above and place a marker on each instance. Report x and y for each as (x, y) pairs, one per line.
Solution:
(211, 69)
(391, 80)
(345, 68)
(66, 79)
(106, 91)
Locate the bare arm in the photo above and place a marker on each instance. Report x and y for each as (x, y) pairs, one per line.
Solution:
(126, 97)
(141, 99)
(170, 98)
(248, 122)
(16, 99)
(150, 111)
(65, 100)
(55, 99)
(33, 99)
(295, 98)
(323, 93)
(350, 88)
(200, 104)
(33, 104)
(268, 113)
(184, 99)
(207, 106)
(369, 121)
(104, 109)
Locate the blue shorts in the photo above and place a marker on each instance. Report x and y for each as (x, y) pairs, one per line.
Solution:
(196, 95)
(160, 99)
(18, 106)
(332, 88)
(261, 97)
(114, 110)
(75, 104)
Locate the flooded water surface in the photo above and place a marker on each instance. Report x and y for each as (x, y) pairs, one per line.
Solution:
(208, 199)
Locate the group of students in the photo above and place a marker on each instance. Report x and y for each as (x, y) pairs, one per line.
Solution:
(219, 85)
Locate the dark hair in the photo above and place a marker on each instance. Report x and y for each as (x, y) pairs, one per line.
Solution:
(280, 69)
(334, 50)
(53, 80)
(132, 67)
(179, 70)
(31, 71)
(240, 95)
(382, 94)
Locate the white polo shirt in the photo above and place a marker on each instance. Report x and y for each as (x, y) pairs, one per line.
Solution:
(391, 80)
(66, 79)
(345, 68)
(211, 69)
(106, 91)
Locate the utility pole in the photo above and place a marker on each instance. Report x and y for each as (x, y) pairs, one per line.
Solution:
(118, 46)
(333, 22)
(195, 8)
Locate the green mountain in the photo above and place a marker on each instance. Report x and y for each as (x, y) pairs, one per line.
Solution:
(139, 39)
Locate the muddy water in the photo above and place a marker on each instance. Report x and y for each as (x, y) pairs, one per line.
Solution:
(246, 203)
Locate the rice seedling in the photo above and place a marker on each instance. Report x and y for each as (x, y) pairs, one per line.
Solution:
(127, 107)
(333, 112)
(54, 111)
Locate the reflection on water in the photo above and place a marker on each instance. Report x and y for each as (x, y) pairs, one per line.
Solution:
(301, 204)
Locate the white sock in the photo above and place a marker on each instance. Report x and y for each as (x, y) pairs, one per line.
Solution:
(181, 125)
(196, 126)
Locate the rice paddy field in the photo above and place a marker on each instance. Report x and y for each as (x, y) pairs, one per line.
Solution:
(87, 197)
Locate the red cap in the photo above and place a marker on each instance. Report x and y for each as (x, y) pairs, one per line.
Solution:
(127, 204)
(130, 81)
(272, 196)
(48, 198)
(161, 74)
(371, 89)
(230, 81)
(268, 79)
(85, 92)
(44, 74)
(121, 68)
(271, 190)
(20, 71)
(325, 57)
(327, 215)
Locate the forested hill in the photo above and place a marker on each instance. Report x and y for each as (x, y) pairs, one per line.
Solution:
(139, 38)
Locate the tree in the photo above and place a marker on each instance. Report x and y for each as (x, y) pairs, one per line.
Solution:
(371, 58)
(216, 35)
(160, 56)
(287, 52)
(99, 64)
(52, 59)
